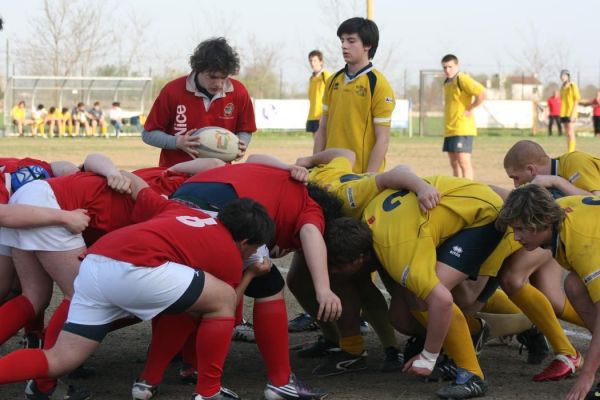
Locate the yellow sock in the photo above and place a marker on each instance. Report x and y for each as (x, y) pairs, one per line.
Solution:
(570, 315)
(454, 344)
(354, 345)
(539, 310)
(104, 130)
(572, 145)
(375, 310)
(499, 303)
(458, 343)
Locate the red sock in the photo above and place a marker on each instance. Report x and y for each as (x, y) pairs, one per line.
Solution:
(270, 330)
(188, 353)
(239, 312)
(169, 333)
(14, 314)
(52, 331)
(212, 344)
(36, 326)
(23, 364)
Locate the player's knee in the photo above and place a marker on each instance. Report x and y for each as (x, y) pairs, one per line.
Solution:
(510, 282)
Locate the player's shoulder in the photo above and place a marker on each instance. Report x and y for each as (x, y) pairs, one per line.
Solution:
(238, 86)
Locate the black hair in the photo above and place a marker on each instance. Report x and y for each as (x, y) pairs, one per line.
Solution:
(449, 57)
(365, 28)
(215, 55)
(247, 219)
(330, 204)
(40, 106)
(347, 239)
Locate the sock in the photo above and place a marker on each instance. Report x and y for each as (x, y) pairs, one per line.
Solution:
(569, 314)
(23, 364)
(270, 330)
(104, 130)
(188, 353)
(212, 344)
(354, 345)
(54, 327)
(474, 324)
(14, 314)
(539, 310)
(375, 309)
(572, 145)
(499, 303)
(169, 333)
(458, 344)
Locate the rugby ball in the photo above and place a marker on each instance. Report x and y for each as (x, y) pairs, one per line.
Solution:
(217, 142)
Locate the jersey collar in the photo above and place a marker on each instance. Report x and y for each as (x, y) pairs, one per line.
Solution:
(449, 80)
(554, 166)
(190, 85)
(350, 77)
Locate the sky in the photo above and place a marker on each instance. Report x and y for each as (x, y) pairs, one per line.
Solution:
(487, 36)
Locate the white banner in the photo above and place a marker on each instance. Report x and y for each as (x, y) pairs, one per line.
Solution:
(291, 114)
(505, 114)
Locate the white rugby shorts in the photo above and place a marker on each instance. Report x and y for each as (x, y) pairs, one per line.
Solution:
(107, 290)
(46, 238)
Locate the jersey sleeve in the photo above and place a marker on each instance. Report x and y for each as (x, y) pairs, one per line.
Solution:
(326, 95)
(159, 117)
(311, 214)
(383, 103)
(470, 85)
(246, 121)
(576, 95)
(585, 173)
(148, 204)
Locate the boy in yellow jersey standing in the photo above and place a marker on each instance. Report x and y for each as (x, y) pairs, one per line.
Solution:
(570, 228)
(358, 100)
(462, 94)
(569, 96)
(316, 88)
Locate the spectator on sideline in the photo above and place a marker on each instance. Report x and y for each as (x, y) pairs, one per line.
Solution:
(462, 94)
(316, 88)
(208, 96)
(96, 117)
(569, 95)
(18, 114)
(358, 100)
(554, 112)
(53, 119)
(595, 103)
(80, 118)
(38, 115)
(67, 122)
(115, 115)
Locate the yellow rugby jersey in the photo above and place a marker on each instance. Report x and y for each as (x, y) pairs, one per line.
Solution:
(507, 246)
(405, 239)
(354, 190)
(353, 107)
(316, 88)
(577, 244)
(458, 95)
(579, 168)
(569, 96)
(17, 113)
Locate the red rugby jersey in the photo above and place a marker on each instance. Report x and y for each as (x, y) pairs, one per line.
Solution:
(10, 165)
(161, 180)
(286, 200)
(177, 110)
(168, 231)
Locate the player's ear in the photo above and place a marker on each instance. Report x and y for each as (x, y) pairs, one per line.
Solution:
(532, 169)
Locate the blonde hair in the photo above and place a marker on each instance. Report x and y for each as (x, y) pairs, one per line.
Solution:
(525, 152)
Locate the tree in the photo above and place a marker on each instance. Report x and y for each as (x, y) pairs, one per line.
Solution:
(67, 38)
(260, 72)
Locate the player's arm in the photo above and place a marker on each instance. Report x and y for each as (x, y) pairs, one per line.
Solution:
(198, 165)
(401, 177)
(478, 100)
(137, 183)
(321, 135)
(186, 142)
(296, 172)
(102, 165)
(315, 254)
(61, 168)
(380, 148)
(561, 184)
(500, 191)
(325, 156)
(255, 269)
(592, 362)
(25, 216)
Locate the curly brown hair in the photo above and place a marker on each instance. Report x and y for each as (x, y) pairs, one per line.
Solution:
(533, 206)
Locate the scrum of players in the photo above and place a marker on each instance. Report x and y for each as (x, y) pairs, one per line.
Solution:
(182, 243)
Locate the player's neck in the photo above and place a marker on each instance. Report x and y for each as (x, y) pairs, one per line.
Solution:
(353, 69)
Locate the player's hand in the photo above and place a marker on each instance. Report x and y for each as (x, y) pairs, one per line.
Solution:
(544, 180)
(581, 388)
(260, 267)
(119, 182)
(411, 369)
(299, 173)
(330, 306)
(188, 143)
(242, 147)
(428, 196)
(76, 221)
